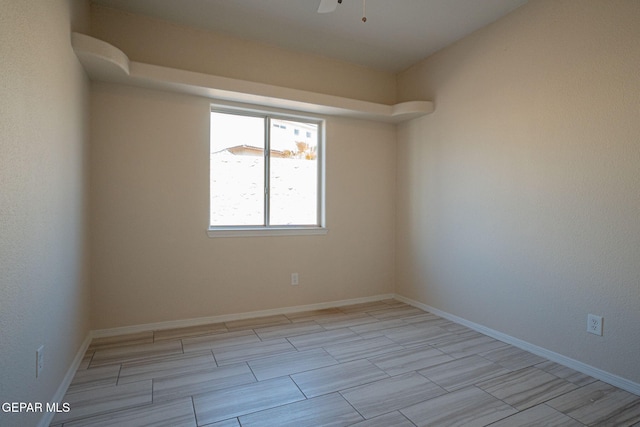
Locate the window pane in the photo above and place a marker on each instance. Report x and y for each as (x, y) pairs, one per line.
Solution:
(237, 170)
(294, 173)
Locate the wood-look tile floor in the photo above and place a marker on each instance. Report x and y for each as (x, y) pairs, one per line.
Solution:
(379, 364)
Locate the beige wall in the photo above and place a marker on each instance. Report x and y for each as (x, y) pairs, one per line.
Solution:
(151, 257)
(518, 199)
(44, 295)
(158, 42)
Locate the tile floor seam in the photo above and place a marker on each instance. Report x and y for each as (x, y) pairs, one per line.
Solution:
(354, 408)
(195, 414)
(403, 407)
(298, 386)
(214, 358)
(542, 402)
(565, 414)
(502, 419)
(118, 377)
(254, 374)
(636, 402)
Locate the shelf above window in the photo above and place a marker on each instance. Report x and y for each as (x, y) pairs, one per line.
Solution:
(105, 62)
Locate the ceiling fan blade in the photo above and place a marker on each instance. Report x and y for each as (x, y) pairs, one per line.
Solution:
(327, 6)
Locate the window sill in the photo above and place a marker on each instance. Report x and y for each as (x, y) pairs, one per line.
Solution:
(265, 231)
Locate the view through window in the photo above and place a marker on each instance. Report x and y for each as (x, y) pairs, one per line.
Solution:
(264, 171)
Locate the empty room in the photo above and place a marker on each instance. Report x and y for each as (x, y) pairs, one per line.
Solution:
(231, 213)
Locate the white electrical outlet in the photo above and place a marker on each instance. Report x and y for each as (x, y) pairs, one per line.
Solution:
(39, 360)
(294, 279)
(594, 324)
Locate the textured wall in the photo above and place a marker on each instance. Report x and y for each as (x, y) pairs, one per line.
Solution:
(151, 257)
(44, 295)
(518, 199)
(158, 42)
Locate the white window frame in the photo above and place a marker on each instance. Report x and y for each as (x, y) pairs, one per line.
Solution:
(276, 230)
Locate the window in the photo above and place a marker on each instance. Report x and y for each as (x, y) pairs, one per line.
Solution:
(263, 178)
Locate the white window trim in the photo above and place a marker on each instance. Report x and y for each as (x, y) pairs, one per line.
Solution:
(284, 230)
(266, 231)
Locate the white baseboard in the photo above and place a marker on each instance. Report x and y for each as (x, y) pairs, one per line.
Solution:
(58, 396)
(607, 377)
(99, 333)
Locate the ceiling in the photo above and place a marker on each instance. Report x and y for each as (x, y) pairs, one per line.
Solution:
(397, 34)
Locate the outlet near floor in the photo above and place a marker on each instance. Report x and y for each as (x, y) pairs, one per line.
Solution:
(594, 324)
(294, 279)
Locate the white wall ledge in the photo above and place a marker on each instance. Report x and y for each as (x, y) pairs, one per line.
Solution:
(105, 62)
